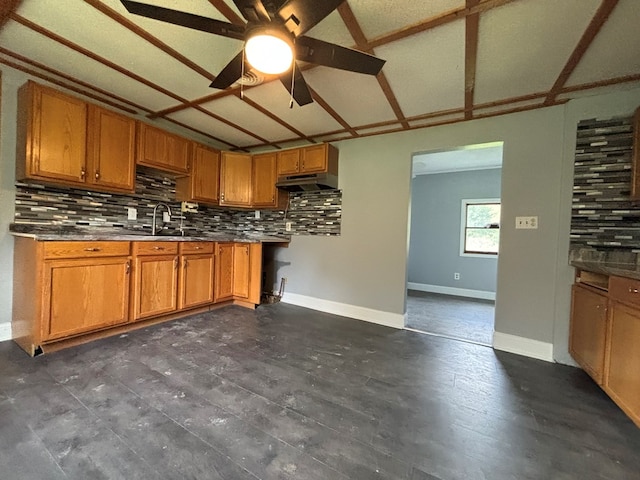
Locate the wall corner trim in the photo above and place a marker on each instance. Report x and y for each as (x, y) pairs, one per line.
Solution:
(523, 346)
(388, 319)
(5, 331)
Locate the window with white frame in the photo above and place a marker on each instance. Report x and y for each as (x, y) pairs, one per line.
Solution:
(480, 227)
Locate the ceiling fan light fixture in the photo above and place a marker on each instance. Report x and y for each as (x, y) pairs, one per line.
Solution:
(269, 51)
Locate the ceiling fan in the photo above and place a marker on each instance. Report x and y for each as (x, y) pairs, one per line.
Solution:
(272, 26)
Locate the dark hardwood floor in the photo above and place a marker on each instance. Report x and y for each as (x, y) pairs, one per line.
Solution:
(289, 393)
(467, 319)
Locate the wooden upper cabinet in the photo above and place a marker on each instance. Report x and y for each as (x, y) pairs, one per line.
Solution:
(162, 150)
(52, 135)
(203, 184)
(263, 185)
(635, 162)
(289, 162)
(321, 158)
(235, 179)
(110, 150)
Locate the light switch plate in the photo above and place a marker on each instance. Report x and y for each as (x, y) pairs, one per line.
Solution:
(257, 214)
(527, 223)
(166, 217)
(132, 213)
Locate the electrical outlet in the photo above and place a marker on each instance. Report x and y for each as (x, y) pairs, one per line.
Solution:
(166, 217)
(287, 226)
(132, 213)
(527, 222)
(257, 214)
(456, 276)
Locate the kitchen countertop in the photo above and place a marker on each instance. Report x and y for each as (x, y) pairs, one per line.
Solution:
(619, 263)
(41, 233)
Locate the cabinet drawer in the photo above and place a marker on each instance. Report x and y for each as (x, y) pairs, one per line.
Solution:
(155, 248)
(196, 247)
(624, 290)
(85, 249)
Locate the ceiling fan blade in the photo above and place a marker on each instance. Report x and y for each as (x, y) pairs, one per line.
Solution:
(253, 11)
(301, 93)
(331, 55)
(230, 73)
(184, 19)
(300, 16)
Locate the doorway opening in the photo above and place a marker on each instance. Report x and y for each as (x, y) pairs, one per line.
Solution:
(454, 235)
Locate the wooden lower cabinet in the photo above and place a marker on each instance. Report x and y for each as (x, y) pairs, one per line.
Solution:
(155, 274)
(99, 297)
(605, 333)
(623, 369)
(224, 272)
(196, 274)
(66, 292)
(587, 341)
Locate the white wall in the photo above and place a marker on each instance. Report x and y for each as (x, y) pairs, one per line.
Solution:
(366, 268)
(8, 109)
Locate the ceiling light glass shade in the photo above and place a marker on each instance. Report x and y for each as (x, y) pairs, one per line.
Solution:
(269, 53)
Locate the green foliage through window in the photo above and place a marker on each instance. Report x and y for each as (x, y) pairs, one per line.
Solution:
(482, 228)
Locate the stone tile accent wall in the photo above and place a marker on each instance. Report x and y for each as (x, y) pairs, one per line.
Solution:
(310, 213)
(603, 216)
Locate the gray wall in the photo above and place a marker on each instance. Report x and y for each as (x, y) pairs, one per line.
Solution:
(367, 265)
(434, 247)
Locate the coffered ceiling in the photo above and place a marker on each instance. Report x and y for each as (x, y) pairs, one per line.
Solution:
(446, 61)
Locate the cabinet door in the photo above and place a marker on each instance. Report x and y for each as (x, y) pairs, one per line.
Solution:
(588, 330)
(241, 270)
(178, 153)
(58, 136)
(224, 272)
(85, 294)
(110, 150)
(314, 159)
(288, 162)
(204, 182)
(622, 380)
(162, 150)
(196, 280)
(235, 179)
(156, 286)
(263, 186)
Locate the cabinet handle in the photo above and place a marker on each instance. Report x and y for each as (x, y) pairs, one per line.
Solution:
(222, 197)
(97, 175)
(197, 248)
(175, 263)
(633, 290)
(92, 249)
(128, 268)
(82, 174)
(158, 248)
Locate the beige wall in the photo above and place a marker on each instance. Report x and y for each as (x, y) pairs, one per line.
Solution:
(366, 266)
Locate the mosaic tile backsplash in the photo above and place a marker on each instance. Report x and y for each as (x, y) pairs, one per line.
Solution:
(603, 216)
(310, 213)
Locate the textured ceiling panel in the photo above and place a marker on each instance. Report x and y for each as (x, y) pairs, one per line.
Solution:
(36, 47)
(240, 113)
(309, 119)
(332, 29)
(358, 98)
(612, 53)
(205, 123)
(426, 71)
(88, 27)
(380, 17)
(523, 46)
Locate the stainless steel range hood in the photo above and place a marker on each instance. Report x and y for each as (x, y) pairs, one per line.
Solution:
(308, 182)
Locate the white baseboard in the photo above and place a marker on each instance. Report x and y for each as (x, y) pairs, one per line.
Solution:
(394, 320)
(459, 292)
(523, 346)
(5, 331)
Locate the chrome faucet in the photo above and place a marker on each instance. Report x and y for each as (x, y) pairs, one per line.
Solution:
(154, 230)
